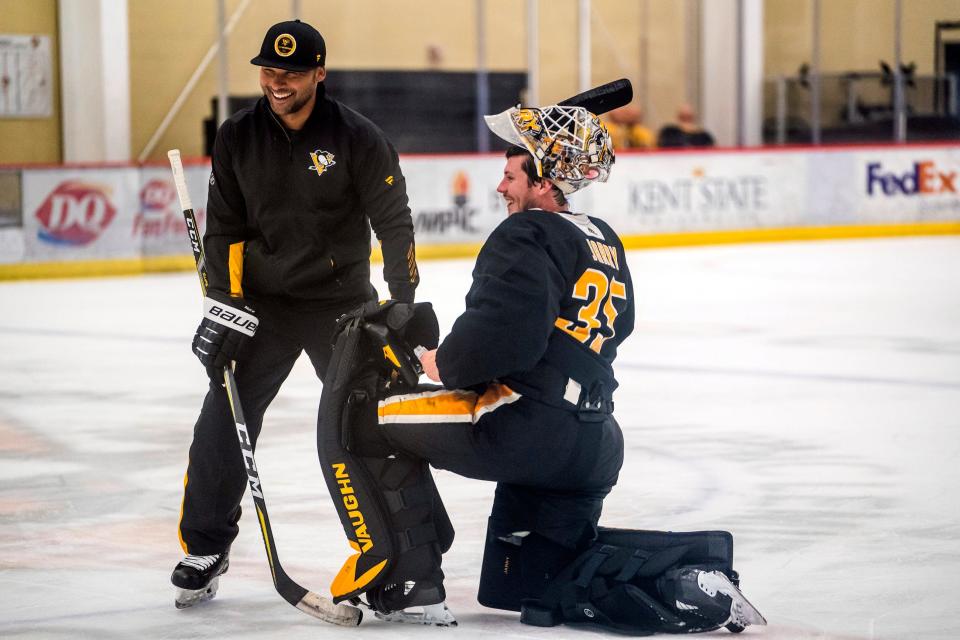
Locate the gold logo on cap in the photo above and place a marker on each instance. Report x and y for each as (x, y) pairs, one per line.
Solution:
(284, 45)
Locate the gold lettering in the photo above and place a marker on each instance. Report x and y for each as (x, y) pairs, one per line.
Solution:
(352, 505)
(604, 254)
(594, 250)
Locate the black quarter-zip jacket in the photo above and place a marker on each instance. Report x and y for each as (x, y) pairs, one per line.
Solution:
(289, 212)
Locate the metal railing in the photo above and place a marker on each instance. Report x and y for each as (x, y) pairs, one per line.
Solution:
(864, 105)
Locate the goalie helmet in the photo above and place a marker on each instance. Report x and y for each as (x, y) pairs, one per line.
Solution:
(570, 146)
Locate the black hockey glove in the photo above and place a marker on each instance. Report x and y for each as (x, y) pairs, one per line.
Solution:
(228, 323)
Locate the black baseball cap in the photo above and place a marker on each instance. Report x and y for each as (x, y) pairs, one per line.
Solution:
(292, 45)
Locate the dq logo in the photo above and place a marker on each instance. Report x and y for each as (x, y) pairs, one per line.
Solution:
(156, 196)
(75, 213)
(156, 218)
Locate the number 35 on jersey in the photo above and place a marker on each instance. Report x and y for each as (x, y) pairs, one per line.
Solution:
(597, 316)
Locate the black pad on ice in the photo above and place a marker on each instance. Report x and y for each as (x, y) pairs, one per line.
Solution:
(619, 582)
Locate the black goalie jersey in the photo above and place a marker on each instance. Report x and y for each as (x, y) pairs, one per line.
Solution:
(551, 301)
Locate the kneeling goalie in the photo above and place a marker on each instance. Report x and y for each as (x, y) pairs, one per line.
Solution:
(527, 403)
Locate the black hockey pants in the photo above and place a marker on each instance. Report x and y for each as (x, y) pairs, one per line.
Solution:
(553, 470)
(216, 476)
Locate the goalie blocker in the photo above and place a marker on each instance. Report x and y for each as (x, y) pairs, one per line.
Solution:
(631, 581)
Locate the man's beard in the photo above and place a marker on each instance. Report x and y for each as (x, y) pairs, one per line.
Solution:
(298, 103)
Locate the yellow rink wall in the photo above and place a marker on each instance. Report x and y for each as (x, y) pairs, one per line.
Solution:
(82, 221)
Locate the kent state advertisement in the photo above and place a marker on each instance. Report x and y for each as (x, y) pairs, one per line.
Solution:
(694, 192)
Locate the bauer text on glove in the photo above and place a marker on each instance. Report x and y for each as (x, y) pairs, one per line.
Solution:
(227, 325)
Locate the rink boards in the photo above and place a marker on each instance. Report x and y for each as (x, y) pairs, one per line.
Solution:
(90, 220)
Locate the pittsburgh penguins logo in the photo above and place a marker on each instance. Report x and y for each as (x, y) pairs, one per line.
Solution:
(322, 160)
(285, 45)
(526, 120)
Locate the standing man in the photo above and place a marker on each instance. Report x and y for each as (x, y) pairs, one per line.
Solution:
(297, 181)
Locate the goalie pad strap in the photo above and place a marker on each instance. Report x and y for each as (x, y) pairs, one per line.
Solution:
(416, 496)
(416, 536)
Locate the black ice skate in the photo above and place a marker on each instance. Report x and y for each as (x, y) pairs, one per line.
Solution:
(198, 577)
(712, 596)
(413, 602)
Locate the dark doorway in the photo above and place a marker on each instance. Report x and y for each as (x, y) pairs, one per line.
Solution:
(946, 57)
(951, 66)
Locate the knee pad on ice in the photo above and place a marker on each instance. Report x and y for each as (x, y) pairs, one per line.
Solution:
(518, 567)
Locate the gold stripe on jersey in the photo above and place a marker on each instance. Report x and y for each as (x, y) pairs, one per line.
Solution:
(445, 405)
(412, 263)
(235, 265)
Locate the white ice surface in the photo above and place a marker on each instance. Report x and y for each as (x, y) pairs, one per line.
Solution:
(805, 396)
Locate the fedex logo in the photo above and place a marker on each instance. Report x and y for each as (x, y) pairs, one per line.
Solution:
(925, 178)
(75, 213)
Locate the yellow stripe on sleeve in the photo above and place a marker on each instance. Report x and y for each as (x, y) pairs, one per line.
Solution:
(236, 269)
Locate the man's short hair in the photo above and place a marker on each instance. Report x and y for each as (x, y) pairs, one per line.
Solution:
(530, 168)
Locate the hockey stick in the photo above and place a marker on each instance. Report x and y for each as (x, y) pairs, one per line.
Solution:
(606, 97)
(307, 601)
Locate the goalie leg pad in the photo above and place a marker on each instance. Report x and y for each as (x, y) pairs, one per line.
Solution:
(387, 502)
(532, 534)
(517, 567)
(645, 582)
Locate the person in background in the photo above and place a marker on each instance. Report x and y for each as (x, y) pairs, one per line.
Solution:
(685, 132)
(627, 130)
